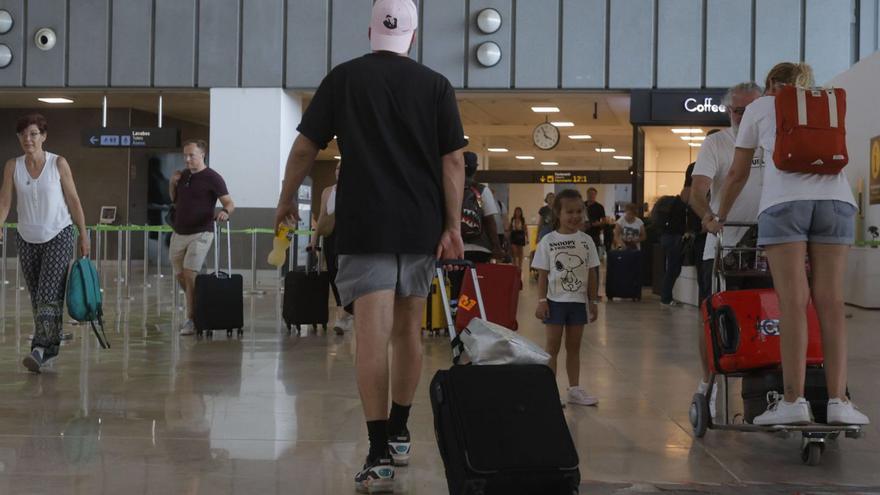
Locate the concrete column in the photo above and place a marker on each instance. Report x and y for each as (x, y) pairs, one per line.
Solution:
(252, 130)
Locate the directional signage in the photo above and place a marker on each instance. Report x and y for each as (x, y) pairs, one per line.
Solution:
(563, 178)
(135, 137)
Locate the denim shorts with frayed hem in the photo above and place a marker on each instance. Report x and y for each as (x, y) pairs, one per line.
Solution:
(825, 221)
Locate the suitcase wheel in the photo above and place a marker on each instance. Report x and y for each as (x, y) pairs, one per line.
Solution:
(241, 332)
(228, 333)
(324, 326)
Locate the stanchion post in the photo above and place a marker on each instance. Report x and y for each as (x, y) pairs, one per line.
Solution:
(146, 256)
(254, 290)
(161, 241)
(3, 255)
(98, 246)
(127, 237)
(119, 256)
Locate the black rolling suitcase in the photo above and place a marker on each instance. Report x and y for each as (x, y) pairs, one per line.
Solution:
(306, 295)
(623, 278)
(219, 296)
(500, 429)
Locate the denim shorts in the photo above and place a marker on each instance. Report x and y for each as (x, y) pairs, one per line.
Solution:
(567, 313)
(820, 221)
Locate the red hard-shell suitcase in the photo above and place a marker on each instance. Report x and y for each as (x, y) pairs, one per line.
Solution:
(500, 302)
(742, 331)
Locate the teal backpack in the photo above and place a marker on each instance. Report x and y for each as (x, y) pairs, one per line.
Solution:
(84, 301)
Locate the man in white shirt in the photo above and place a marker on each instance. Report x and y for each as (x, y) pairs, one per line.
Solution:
(710, 171)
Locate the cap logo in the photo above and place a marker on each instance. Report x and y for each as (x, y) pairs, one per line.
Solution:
(390, 22)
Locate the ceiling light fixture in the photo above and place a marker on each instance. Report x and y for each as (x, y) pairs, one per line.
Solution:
(467, 137)
(563, 124)
(622, 157)
(337, 157)
(687, 131)
(693, 138)
(695, 145)
(525, 157)
(549, 163)
(497, 150)
(606, 150)
(55, 100)
(579, 137)
(545, 109)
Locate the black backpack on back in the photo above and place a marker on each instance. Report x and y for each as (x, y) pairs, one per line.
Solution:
(661, 212)
(472, 212)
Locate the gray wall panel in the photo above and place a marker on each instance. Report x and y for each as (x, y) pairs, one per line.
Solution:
(583, 43)
(728, 42)
(218, 43)
(868, 28)
(307, 25)
(443, 38)
(631, 50)
(777, 34)
(46, 68)
(13, 74)
(499, 75)
(828, 46)
(175, 48)
(680, 43)
(536, 62)
(88, 58)
(351, 21)
(131, 53)
(263, 44)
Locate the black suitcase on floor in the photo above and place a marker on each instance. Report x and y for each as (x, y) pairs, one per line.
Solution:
(500, 430)
(306, 295)
(756, 385)
(219, 296)
(623, 277)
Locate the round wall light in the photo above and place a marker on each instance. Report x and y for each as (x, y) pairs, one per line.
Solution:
(5, 56)
(488, 54)
(6, 21)
(489, 21)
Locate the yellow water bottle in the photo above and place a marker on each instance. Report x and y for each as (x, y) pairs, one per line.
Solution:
(280, 243)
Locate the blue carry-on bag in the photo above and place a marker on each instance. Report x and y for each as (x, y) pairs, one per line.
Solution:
(84, 301)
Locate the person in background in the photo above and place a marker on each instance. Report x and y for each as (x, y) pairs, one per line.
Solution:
(518, 236)
(502, 225)
(545, 216)
(800, 214)
(345, 315)
(568, 287)
(48, 206)
(629, 232)
(595, 216)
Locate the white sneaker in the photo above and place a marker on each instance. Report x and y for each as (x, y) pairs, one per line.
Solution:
(702, 388)
(344, 324)
(843, 412)
(780, 412)
(188, 328)
(577, 395)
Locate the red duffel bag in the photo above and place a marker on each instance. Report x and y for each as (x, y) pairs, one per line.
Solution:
(810, 130)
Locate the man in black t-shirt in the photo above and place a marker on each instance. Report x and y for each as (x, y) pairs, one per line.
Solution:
(595, 216)
(398, 210)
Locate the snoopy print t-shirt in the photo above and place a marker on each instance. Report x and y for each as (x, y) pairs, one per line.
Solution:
(568, 258)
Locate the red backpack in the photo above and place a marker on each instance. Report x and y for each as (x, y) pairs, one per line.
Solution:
(810, 130)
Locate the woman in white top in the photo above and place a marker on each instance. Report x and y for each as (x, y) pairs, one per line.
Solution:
(799, 214)
(46, 199)
(345, 318)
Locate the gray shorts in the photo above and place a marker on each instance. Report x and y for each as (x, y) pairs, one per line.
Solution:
(818, 221)
(408, 275)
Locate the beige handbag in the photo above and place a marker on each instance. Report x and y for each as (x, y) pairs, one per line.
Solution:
(326, 225)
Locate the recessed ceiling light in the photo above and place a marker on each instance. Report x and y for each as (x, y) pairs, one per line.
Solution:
(337, 157)
(695, 145)
(549, 163)
(622, 157)
(55, 100)
(606, 150)
(662, 186)
(563, 124)
(498, 150)
(580, 136)
(693, 138)
(545, 109)
(467, 137)
(525, 157)
(687, 131)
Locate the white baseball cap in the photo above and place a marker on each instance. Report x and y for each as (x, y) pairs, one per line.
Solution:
(392, 25)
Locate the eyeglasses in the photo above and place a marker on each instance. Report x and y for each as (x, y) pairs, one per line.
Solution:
(32, 135)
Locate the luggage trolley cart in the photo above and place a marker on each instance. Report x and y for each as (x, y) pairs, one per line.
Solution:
(749, 262)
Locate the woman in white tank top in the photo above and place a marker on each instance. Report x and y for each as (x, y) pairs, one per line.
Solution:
(47, 205)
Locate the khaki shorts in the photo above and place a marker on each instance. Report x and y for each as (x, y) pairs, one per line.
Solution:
(408, 275)
(188, 252)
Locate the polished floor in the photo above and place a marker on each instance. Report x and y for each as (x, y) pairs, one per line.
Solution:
(276, 414)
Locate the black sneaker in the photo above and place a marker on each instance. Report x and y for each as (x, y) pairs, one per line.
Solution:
(377, 476)
(33, 361)
(400, 446)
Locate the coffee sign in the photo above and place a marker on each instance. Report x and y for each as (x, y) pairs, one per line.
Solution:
(708, 105)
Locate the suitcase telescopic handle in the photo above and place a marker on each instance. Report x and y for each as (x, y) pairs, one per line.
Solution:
(217, 233)
(444, 295)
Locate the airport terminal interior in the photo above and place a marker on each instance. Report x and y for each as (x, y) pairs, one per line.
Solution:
(629, 90)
